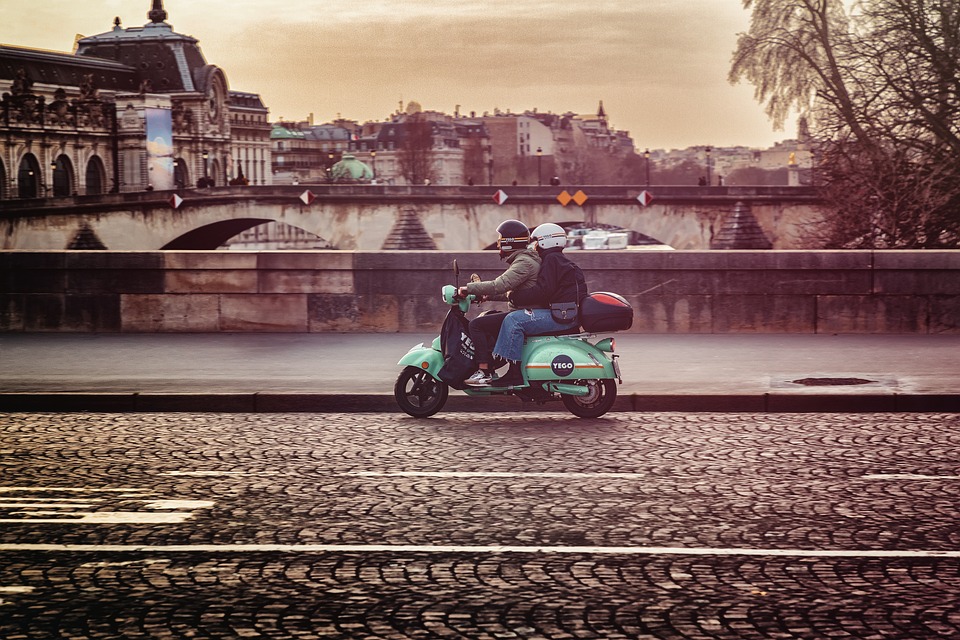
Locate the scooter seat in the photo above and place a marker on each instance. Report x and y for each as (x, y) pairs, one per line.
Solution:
(563, 332)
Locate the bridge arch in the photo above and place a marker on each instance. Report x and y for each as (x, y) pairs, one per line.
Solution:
(213, 235)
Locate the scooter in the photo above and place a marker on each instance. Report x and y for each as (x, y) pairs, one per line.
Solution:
(565, 365)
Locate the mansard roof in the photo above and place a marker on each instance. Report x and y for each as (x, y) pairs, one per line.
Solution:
(246, 100)
(172, 62)
(279, 132)
(153, 56)
(65, 69)
(327, 132)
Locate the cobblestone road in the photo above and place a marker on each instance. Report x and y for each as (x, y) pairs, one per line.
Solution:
(464, 526)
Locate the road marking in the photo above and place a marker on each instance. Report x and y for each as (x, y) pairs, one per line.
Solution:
(480, 549)
(98, 517)
(48, 505)
(80, 489)
(205, 474)
(572, 475)
(489, 474)
(906, 476)
(38, 509)
(128, 563)
(179, 504)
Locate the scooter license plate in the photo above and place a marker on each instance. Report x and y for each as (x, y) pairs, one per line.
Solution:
(616, 368)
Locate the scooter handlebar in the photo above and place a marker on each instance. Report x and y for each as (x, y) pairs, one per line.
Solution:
(451, 296)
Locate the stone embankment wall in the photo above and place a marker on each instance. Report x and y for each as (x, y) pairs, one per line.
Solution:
(399, 291)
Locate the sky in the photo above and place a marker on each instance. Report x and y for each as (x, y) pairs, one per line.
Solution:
(659, 66)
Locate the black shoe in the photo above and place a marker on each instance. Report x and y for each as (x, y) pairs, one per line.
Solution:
(512, 378)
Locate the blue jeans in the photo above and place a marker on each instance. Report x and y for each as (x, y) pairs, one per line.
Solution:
(524, 322)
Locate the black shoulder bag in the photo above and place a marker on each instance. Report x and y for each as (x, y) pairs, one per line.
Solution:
(565, 312)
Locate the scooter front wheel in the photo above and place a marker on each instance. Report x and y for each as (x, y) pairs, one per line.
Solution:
(418, 393)
(603, 393)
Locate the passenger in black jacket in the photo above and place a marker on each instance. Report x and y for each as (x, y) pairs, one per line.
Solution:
(560, 280)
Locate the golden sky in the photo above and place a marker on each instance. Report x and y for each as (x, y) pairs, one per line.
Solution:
(660, 66)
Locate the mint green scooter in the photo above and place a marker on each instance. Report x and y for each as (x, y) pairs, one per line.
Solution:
(567, 366)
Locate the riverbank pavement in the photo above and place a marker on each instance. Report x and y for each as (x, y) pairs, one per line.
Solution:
(355, 372)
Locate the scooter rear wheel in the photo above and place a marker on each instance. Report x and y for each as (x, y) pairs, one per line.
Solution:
(418, 393)
(603, 393)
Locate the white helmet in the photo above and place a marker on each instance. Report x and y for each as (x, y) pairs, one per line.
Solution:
(549, 235)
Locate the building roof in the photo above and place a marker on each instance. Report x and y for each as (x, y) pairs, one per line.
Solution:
(242, 99)
(170, 61)
(327, 133)
(153, 58)
(280, 132)
(65, 69)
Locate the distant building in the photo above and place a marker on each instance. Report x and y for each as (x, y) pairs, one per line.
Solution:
(250, 137)
(789, 162)
(514, 140)
(456, 152)
(131, 109)
(572, 147)
(528, 148)
(303, 152)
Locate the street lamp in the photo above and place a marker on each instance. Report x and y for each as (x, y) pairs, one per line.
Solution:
(373, 163)
(709, 149)
(813, 167)
(539, 165)
(646, 156)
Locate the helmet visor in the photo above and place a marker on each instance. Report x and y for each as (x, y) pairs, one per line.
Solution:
(512, 244)
(558, 234)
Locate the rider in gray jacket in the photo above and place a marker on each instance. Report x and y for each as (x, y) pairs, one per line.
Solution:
(513, 241)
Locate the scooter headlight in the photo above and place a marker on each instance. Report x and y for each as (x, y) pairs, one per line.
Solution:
(607, 345)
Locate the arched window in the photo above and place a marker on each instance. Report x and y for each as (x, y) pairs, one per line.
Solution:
(3, 180)
(181, 175)
(62, 177)
(28, 177)
(95, 176)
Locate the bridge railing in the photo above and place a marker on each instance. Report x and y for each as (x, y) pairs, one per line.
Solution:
(483, 193)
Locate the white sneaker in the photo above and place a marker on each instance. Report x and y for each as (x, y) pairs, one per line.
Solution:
(480, 379)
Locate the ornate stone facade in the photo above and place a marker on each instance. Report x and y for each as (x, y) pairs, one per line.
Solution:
(75, 124)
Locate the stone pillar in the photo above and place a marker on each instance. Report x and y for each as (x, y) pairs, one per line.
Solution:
(740, 230)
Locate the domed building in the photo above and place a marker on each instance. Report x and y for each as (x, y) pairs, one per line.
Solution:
(349, 169)
(305, 153)
(133, 108)
(290, 153)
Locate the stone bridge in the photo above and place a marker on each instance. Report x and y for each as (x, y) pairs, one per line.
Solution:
(363, 217)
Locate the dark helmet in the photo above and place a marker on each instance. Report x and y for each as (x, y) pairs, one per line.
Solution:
(514, 236)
